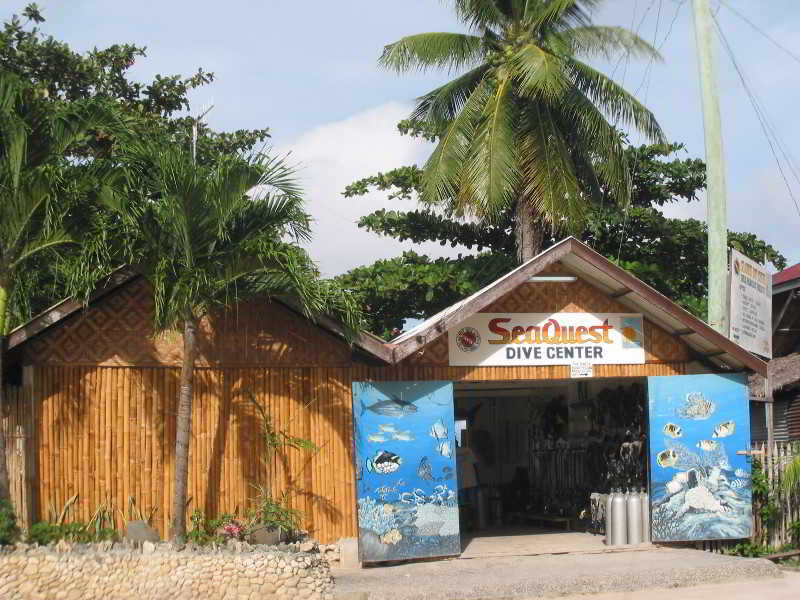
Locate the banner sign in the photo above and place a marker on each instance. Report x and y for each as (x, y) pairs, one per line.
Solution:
(751, 305)
(512, 339)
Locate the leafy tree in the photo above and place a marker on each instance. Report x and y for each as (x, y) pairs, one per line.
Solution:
(669, 254)
(154, 110)
(40, 203)
(527, 125)
(208, 235)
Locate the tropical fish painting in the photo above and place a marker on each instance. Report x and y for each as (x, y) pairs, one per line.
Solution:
(407, 497)
(444, 448)
(708, 445)
(724, 429)
(384, 462)
(700, 484)
(696, 407)
(394, 407)
(667, 458)
(438, 430)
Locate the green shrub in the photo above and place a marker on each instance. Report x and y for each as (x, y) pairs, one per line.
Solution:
(274, 514)
(8, 524)
(45, 533)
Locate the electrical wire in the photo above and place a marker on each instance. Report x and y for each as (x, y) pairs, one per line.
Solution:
(777, 44)
(773, 139)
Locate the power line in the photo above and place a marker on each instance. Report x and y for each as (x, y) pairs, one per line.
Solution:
(769, 132)
(760, 30)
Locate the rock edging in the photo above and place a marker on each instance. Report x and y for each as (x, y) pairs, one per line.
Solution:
(102, 571)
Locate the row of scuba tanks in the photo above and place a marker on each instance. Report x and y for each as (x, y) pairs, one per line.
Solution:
(627, 517)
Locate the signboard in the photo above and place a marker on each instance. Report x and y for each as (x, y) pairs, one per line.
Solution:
(700, 487)
(405, 470)
(513, 339)
(751, 305)
(581, 369)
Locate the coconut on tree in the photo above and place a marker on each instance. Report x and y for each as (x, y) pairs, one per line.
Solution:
(527, 124)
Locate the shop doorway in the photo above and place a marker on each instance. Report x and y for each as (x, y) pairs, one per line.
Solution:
(530, 454)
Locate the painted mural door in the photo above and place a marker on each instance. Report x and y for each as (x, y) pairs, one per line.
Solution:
(405, 470)
(700, 488)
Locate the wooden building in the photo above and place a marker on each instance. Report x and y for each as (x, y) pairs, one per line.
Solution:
(92, 392)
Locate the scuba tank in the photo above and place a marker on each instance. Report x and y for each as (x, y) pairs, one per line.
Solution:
(619, 521)
(634, 512)
(645, 516)
(610, 495)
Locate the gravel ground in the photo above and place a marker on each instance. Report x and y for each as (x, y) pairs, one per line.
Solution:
(547, 576)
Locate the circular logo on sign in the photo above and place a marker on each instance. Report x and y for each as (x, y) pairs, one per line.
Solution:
(468, 339)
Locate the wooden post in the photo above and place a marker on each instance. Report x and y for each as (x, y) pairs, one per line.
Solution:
(29, 408)
(768, 410)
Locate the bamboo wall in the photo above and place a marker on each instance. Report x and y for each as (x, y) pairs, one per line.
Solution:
(17, 422)
(108, 433)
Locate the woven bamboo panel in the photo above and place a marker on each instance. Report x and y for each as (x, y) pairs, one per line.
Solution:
(117, 331)
(108, 434)
(579, 296)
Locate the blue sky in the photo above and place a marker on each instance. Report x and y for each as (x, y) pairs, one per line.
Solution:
(308, 71)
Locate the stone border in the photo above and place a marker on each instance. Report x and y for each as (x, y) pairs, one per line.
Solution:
(103, 571)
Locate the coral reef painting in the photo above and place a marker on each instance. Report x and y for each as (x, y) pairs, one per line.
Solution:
(700, 487)
(407, 491)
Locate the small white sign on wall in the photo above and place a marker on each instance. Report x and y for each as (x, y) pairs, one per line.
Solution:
(581, 369)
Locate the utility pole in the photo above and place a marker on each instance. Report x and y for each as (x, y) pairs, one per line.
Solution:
(716, 211)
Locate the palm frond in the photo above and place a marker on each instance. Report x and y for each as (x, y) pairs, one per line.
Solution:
(607, 42)
(615, 100)
(558, 14)
(40, 244)
(791, 476)
(452, 51)
(480, 14)
(596, 138)
(541, 73)
(440, 106)
(549, 184)
(492, 172)
(440, 179)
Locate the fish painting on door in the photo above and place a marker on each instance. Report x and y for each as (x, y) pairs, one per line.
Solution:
(700, 487)
(406, 471)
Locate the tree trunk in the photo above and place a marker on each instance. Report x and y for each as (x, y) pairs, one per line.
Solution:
(184, 430)
(527, 232)
(5, 484)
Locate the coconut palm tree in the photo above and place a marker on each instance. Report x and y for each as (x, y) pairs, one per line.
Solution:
(206, 236)
(526, 124)
(38, 192)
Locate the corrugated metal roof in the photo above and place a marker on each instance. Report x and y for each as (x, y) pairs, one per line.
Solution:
(786, 275)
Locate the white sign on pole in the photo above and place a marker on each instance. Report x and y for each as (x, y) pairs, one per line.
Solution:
(750, 305)
(512, 339)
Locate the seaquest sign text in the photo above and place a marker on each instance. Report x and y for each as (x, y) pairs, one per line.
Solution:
(494, 339)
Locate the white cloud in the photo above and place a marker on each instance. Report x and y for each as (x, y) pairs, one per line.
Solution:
(336, 154)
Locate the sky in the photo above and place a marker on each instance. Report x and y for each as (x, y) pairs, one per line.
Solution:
(308, 71)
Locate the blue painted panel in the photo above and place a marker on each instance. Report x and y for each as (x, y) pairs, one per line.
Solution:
(405, 470)
(700, 488)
